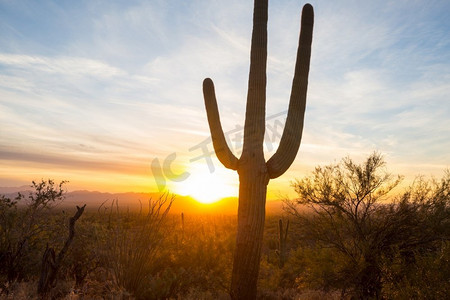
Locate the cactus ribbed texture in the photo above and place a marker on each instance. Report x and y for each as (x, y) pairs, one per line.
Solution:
(254, 172)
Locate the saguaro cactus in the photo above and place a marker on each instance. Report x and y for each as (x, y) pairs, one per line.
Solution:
(254, 172)
(282, 238)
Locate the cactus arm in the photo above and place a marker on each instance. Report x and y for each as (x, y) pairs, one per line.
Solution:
(292, 134)
(223, 152)
(256, 97)
(287, 229)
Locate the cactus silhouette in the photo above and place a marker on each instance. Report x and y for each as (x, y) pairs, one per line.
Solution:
(254, 172)
(282, 238)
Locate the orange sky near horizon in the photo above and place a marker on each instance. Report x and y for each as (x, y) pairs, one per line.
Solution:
(201, 184)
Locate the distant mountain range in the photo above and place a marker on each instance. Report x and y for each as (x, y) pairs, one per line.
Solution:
(134, 201)
(10, 190)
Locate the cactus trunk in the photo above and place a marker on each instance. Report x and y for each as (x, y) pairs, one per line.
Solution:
(251, 214)
(254, 172)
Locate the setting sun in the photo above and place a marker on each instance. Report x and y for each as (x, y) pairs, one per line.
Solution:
(206, 187)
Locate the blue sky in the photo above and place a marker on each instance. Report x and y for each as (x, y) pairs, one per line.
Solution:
(94, 91)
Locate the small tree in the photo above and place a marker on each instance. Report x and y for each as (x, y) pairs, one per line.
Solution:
(344, 198)
(351, 215)
(22, 223)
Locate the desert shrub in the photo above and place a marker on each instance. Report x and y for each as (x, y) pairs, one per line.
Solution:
(426, 278)
(8, 220)
(25, 228)
(129, 244)
(359, 235)
(419, 267)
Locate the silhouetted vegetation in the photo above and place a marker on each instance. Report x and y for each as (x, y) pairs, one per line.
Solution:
(351, 233)
(22, 228)
(51, 263)
(371, 244)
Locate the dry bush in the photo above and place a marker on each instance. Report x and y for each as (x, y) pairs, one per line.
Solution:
(129, 244)
(25, 228)
(370, 246)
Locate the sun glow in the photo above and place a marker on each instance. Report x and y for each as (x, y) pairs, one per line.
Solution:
(207, 187)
